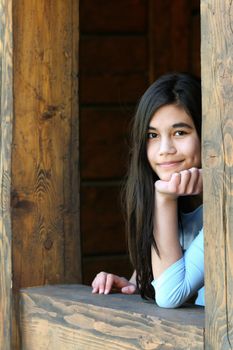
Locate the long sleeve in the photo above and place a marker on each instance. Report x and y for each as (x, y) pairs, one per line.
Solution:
(183, 278)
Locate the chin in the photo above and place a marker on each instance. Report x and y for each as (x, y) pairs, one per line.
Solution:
(164, 177)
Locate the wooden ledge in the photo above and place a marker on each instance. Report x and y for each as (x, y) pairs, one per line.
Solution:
(71, 317)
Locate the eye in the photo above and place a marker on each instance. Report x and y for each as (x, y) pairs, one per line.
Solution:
(180, 133)
(152, 135)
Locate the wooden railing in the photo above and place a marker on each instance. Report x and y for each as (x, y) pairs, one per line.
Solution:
(71, 317)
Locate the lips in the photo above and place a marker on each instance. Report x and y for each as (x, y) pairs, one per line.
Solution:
(170, 164)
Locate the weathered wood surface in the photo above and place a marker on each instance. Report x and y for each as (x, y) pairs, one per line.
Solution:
(217, 73)
(70, 317)
(6, 120)
(45, 173)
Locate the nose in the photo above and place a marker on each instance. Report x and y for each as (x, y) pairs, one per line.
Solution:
(166, 146)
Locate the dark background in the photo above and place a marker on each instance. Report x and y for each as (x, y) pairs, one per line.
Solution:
(124, 46)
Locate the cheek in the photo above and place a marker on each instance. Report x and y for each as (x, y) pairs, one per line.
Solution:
(151, 154)
(195, 153)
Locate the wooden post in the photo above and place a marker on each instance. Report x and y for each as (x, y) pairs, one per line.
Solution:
(39, 173)
(45, 173)
(6, 110)
(217, 81)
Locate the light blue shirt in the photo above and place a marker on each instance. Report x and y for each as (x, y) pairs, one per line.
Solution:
(186, 276)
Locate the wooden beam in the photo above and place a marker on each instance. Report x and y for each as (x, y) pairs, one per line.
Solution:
(71, 317)
(39, 172)
(217, 81)
(45, 154)
(6, 111)
(45, 169)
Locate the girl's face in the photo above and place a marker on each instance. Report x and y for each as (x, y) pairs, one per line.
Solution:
(173, 143)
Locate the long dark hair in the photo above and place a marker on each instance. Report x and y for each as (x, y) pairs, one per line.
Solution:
(178, 89)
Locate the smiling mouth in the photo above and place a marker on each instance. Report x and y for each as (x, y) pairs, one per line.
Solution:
(169, 164)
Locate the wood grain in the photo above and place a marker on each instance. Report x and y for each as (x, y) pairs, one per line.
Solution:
(45, 172)
(70, 317)
(217, 73)
(172, 36)
(108, 54)
(111, 88)
(108, 158)
(102, 222)
(122, 16)
(6, 112)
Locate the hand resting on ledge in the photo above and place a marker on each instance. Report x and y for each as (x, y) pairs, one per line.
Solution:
(105, 282)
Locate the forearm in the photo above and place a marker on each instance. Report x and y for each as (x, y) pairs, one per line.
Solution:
(183, 278)
(165, 234)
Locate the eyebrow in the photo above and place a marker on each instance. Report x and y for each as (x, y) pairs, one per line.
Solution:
(175, 126)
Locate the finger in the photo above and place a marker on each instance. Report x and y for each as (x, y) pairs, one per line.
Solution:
(162, 186)
(189, 181)
(94, 285)
(99, 283)
(130, 289)
(102, 283)
(109, 283)
(199, 185)
(116, 282)
(185, 176)
(191, 189)
(120, 282)
(168, 186)
(173, 184)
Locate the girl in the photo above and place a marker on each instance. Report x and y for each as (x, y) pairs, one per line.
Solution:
(163, 196)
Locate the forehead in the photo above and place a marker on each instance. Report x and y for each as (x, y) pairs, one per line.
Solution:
(169, 115)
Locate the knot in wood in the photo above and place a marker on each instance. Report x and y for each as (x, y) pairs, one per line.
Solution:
(48, 243)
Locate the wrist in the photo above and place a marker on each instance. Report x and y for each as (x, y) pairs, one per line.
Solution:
(162, 197)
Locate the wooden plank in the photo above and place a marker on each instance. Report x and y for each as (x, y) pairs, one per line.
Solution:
(70, 317)
(45, 144)
(108, 54)
(6, 111)
(72, 247)
(111, 88)
(104, 138)
(117, 264)
(196, 43)
(102, 223)
(217, 72)
(169, 36)
(113, 16)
